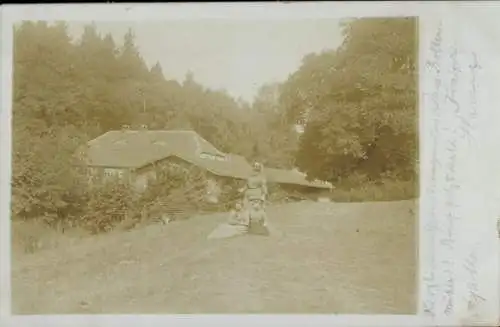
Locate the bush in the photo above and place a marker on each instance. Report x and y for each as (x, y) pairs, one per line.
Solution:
(278, 194)
(230, 194)
(178, 191)
(108, 205)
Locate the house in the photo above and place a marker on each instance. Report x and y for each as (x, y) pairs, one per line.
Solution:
(138, 156)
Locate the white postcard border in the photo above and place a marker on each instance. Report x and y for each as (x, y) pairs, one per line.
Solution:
(463, 22)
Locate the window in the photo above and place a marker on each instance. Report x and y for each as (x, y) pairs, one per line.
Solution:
(205, 156)
(109, 172)
(210, 156)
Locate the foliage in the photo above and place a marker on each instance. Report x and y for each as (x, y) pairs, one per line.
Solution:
(358, 103)
(179, 186)
(107, 205)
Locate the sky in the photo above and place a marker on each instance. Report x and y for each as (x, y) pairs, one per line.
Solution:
(238, 56)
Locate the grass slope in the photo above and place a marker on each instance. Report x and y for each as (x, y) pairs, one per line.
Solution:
(353, 258)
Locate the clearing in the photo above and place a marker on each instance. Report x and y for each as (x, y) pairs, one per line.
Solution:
(348, 258)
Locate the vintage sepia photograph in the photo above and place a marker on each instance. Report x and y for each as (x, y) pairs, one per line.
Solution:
(215, 166)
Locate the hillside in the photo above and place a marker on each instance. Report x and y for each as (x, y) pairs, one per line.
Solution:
(352, 258)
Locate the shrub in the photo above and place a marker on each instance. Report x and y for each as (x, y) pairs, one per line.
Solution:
(178, 191)
(108, 205)
(277, 193)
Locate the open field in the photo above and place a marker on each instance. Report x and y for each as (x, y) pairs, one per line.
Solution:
(349, 258)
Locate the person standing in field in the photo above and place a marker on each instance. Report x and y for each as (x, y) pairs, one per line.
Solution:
(255, 195)
(255, 187)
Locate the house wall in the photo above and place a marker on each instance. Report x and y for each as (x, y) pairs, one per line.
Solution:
(141, 178)
(112, 174)
(218, 190)
(98, 175)
(213, 189)
(140, 182)
(213, 183)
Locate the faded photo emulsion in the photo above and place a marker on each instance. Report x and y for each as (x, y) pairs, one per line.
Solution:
(215, 166)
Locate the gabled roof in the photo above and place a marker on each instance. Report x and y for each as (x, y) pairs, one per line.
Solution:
(233, 166)
(285, 176)
(136, 149)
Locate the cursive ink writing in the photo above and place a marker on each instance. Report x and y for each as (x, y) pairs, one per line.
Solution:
(453, 116)
(450, 183)
(449, 288)
(474, 68)
(431, 288)
(472, 297)
(454, 71)
(433, 68)
(451, 186)
(436, 49)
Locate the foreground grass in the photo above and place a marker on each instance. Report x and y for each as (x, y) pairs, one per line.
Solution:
(357, 258)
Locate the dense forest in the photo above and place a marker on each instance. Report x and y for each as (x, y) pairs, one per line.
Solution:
(357, 105)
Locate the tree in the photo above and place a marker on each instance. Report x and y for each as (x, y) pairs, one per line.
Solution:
(276, 141)
(157, 72)
(358, 102)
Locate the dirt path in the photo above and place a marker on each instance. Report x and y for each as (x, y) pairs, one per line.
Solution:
(328, 258)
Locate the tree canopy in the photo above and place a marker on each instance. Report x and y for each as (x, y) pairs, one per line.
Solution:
(358, 102)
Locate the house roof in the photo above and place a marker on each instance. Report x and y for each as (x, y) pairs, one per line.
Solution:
(135, 149)
(284, 176)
